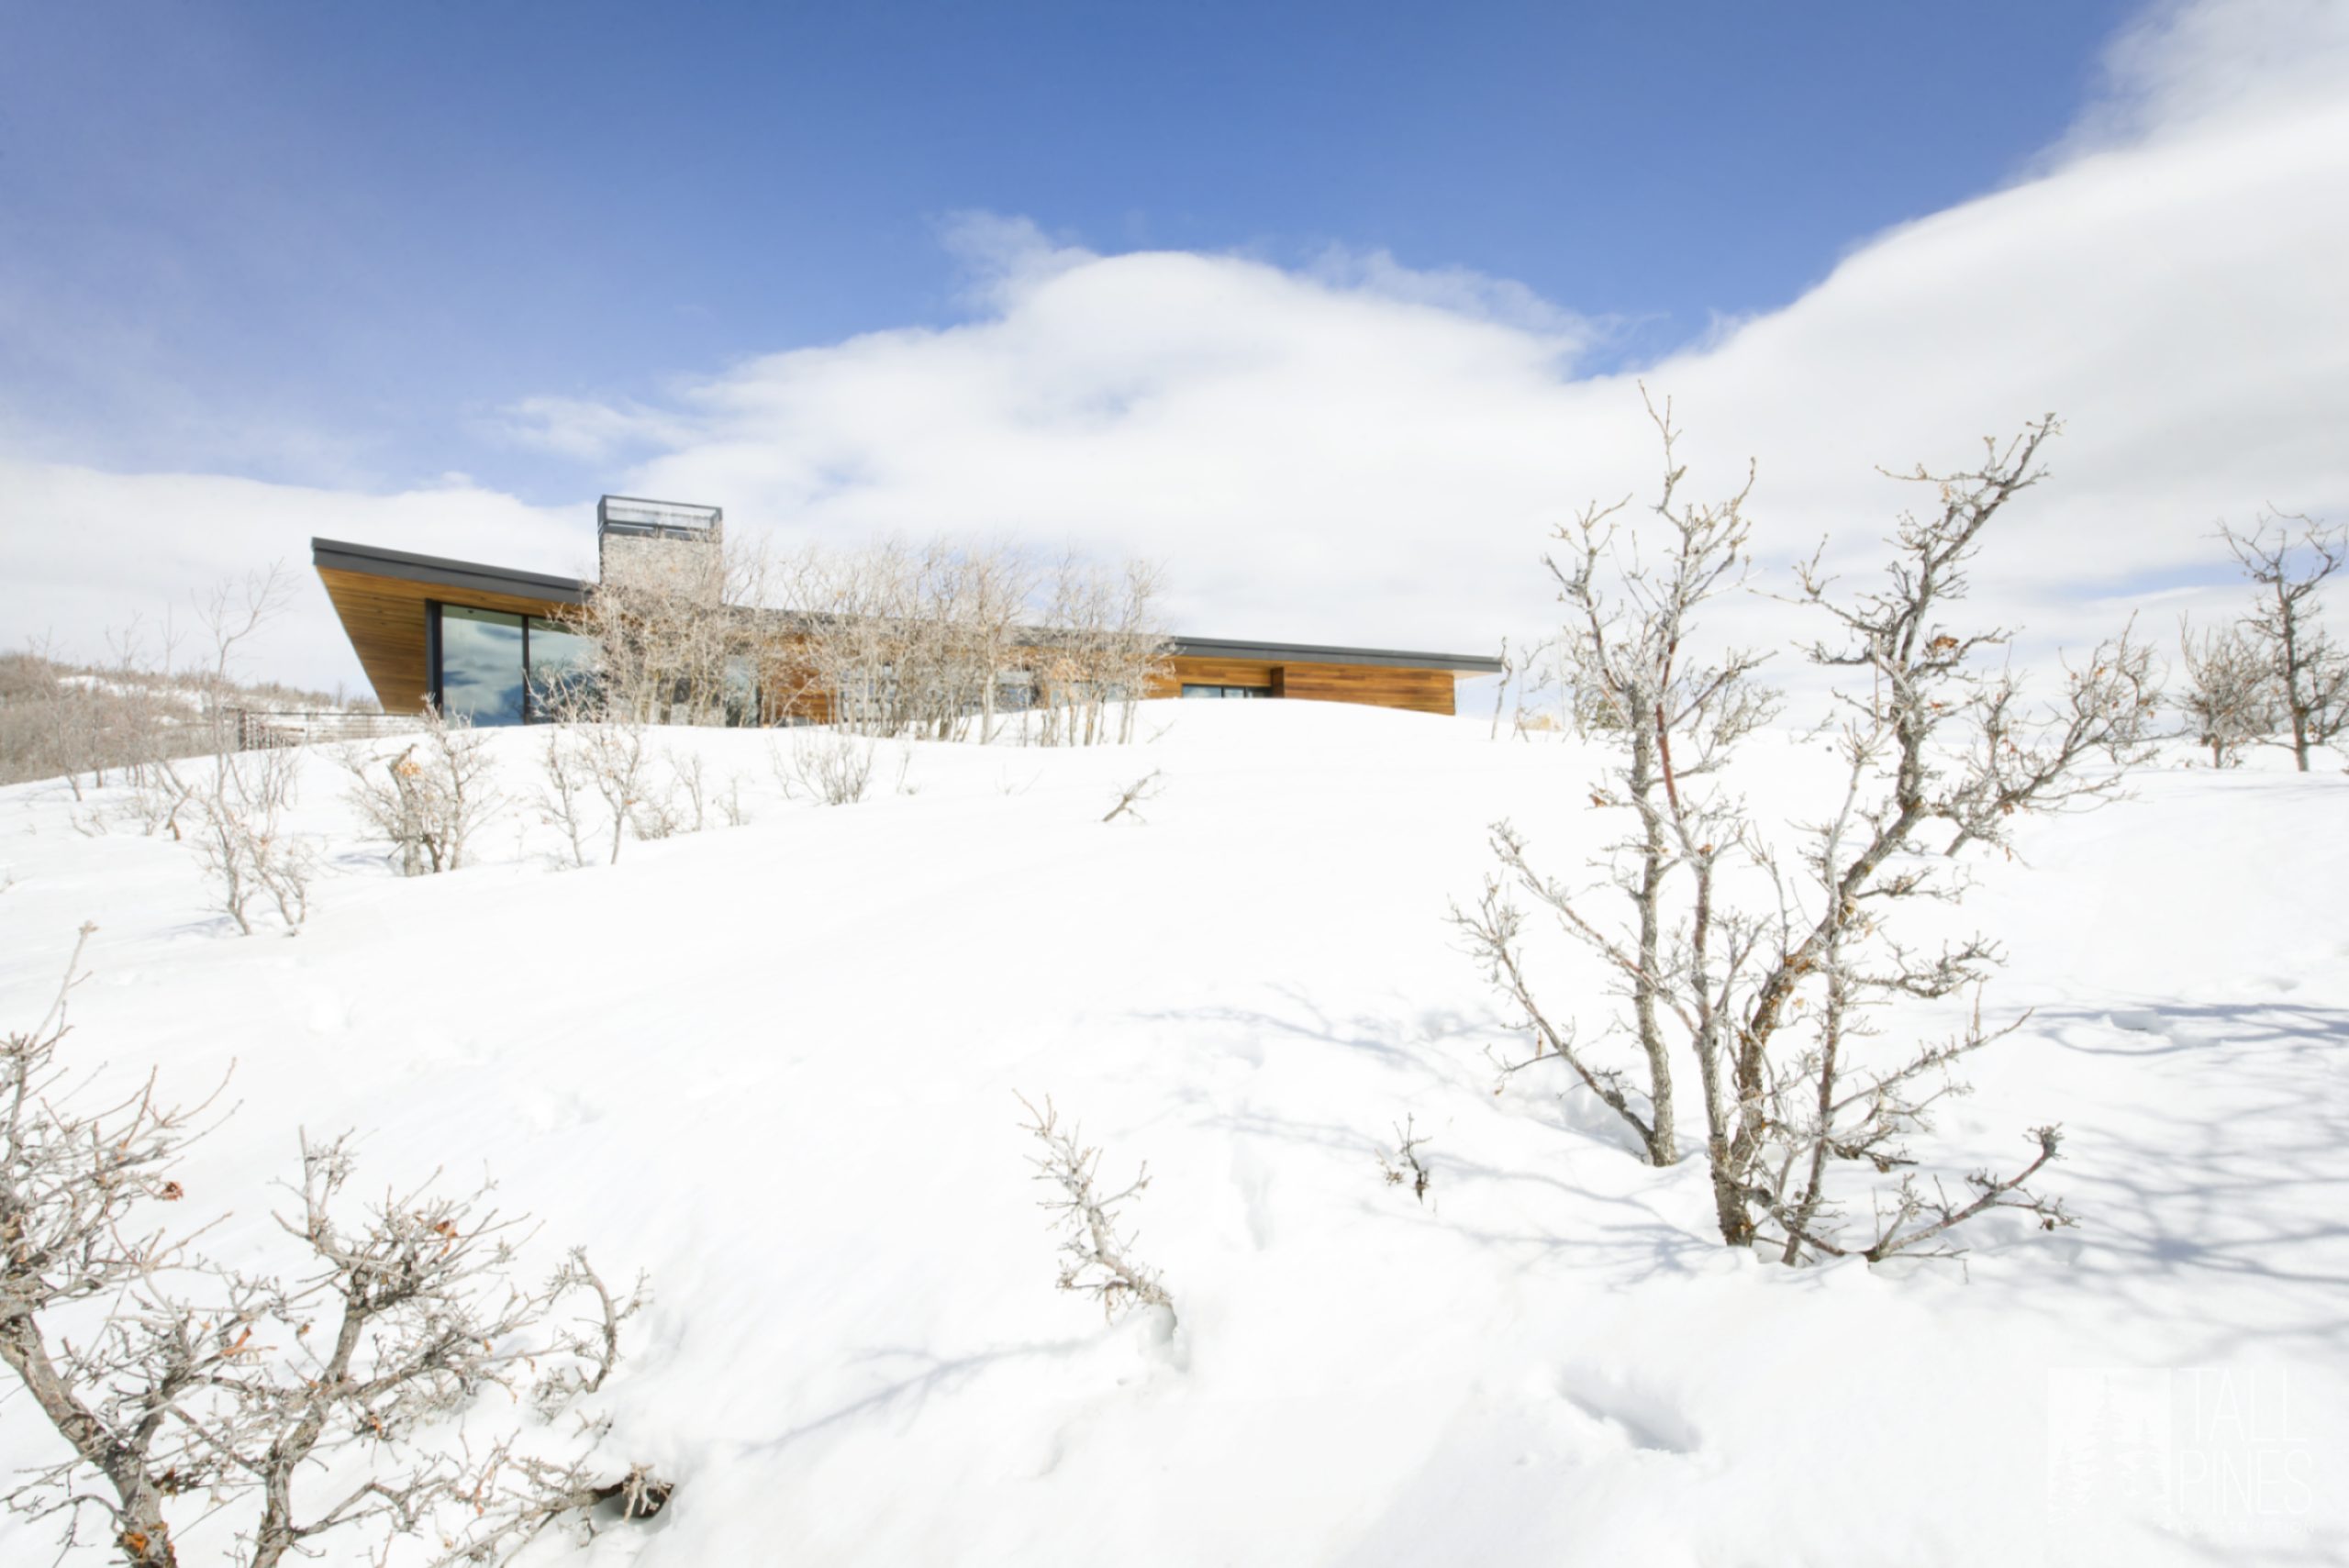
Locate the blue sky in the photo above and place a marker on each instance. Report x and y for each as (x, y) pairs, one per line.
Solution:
(321, 243)
(1334, 311)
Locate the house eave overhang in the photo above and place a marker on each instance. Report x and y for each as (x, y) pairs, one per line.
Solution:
(407, 566)
(460, 578)
(1320, 653)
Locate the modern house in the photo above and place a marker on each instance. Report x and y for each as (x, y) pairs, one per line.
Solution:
(469, 638)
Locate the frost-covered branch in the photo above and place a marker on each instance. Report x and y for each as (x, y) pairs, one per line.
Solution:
(1096, 1259)
(312, 1405)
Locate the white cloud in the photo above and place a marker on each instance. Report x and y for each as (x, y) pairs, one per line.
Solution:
(90, 552)
(1356, 452)
(586, 430)
(2181, 65)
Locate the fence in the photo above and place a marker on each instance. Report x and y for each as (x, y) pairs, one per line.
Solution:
(259, 730)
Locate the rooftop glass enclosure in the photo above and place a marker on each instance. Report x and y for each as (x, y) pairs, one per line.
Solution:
(674, 519)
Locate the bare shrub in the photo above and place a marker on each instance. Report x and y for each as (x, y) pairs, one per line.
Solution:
(1144, 789)
(1629, 651)
(563, 795)
(1772, 997)
(604, 780)
(618, 768)
(247, 849)
(1404, 1167)
(2307, 668)
(824, 766)
(1526, 671)
(689, 781)
(689, 800)
(205, 1389)
(429, 800)
(1095, 1260)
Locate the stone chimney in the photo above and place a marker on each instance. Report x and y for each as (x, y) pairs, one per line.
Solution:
(664, 546)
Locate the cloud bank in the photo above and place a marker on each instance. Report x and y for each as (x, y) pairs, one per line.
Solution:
(1360, 452)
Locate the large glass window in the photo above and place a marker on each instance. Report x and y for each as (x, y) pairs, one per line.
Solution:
(1190, 689)
(481, 675)
(497, 668)
(561, 668)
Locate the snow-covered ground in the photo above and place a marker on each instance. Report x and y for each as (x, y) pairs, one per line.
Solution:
(774, 1066)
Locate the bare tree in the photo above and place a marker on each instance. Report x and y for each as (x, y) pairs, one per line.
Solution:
(2229, 698)
(1096, 1259)
(1098, 650)
(1001, 582)
(1776, 997)
(669, 639)
(895, 641)
(1932, 742)
(204, 1387)
(1631, 652)
(93, 724)
(2310, 669)
(231, 615)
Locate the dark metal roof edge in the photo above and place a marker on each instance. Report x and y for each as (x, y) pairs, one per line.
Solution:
(411, 567)
(1316, 653)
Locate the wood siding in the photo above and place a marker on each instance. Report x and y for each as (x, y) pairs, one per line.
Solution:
(384, 617)
(1374, 685)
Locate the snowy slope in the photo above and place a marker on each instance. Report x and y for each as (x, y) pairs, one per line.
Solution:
(775, 1066)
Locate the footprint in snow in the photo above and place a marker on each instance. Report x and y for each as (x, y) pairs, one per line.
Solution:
(1627, 1415)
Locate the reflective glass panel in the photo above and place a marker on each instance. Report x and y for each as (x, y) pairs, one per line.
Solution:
(481, 665)
(742, 691)
(562, 666)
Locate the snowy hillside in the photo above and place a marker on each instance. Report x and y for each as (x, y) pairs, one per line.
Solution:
(774, 1066)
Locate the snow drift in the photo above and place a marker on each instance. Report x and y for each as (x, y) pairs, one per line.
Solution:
(775, 1067)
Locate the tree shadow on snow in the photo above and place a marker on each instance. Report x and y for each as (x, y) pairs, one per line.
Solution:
(2242, 1175)
(1625, 1235)
(903, 1395)
(1385, 1039)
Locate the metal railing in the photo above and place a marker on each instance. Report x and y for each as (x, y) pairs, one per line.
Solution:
(260, 729)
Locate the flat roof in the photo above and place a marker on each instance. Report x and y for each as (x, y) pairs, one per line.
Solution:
(409, 566)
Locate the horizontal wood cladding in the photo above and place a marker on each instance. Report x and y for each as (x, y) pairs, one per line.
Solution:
(1421, 691)
(1374, 685)
(385, 617)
